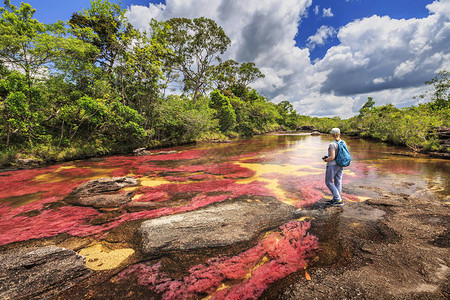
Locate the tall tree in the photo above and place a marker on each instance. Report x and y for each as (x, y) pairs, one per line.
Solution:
(195, 44)
(27, 45)
(143, 69)
(103, 25)
(441, 94)
(229, 75)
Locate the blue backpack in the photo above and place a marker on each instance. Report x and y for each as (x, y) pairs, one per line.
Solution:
(343, 157)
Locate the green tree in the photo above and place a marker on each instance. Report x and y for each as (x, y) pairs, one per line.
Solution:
(441, 95)
(367, 106)
(21, 117)
(104, 26)
(287, 115)
(142, 73)
(229, 75)
(224, 111)
(195, 44)
(28, 45)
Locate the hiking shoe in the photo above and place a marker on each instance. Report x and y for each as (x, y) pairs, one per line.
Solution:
(334, 202)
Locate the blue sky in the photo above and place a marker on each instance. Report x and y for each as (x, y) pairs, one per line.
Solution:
(324, 56)
(345, 11)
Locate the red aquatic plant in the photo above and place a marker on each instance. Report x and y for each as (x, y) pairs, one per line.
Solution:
(201, 177)
(19, 183)
(275, 257)
(15, 227)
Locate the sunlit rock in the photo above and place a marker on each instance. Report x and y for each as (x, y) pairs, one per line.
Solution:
(141, 151)
(217, 225)
(102, 201)
(100, 192)
(39, 272)
(105, 185)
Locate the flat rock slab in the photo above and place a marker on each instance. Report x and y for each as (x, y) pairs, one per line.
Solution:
(103, 201)
(218, 225)
(39, 272)
(105, 185)
(102, 192)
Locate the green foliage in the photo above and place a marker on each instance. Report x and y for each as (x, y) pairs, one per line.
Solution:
(21, 116)
(231, 76)
(441, 95)
(104, 26)
(367, 106)
(195, 44)
(224, 111)
(288, 117)
(28, 45)
(181, 120)
(254, 113)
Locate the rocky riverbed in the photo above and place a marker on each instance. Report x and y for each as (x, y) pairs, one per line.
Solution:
(391, 246)
(231, 223)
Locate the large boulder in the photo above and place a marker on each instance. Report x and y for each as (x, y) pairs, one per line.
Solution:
(39, 272)
(218, 225)
(102, 192)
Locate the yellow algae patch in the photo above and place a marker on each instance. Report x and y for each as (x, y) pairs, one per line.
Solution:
(102, 172)
(22, 200)
(264, 260)
(130, 188)
(305, 218)
(99, 257)
(146, 181)
(53, 176)
(273, 183)
(223, 286)
(137, 196)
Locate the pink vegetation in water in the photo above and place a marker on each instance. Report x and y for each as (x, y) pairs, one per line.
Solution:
(275, 257)
(15, 227)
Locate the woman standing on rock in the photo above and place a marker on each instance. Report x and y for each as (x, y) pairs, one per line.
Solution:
(333, 175)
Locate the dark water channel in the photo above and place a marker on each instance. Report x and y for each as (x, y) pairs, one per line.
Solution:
(285, 167)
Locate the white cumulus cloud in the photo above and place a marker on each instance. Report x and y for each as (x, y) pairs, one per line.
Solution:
(321, 36)
(382, 57)
(326, 12)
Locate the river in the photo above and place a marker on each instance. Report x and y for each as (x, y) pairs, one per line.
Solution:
(286, 167)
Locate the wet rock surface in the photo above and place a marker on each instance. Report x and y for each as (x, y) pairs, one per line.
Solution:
(39, 272)
(389, 247)
(217, 225)
(102, 192)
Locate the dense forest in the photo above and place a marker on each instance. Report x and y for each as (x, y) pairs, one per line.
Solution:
(95, 85)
